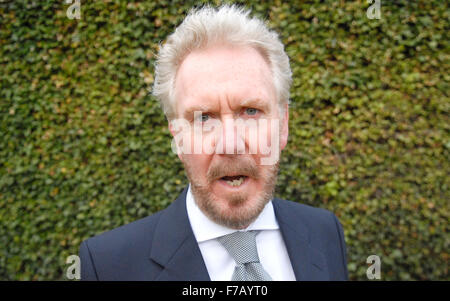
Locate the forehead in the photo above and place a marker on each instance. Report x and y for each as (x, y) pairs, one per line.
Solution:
(231, 74)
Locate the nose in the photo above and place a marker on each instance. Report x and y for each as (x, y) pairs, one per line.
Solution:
(232, 138)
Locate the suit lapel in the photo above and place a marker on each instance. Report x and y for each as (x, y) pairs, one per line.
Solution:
(174, 246)
(308, 263)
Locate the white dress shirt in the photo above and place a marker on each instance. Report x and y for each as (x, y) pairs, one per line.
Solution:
(219, 263)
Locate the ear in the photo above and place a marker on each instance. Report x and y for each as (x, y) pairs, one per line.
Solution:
(172, 132)
(284, 133)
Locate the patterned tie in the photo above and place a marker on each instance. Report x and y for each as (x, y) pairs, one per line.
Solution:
(242, 247)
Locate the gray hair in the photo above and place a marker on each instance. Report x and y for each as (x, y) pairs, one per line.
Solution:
(227, 24)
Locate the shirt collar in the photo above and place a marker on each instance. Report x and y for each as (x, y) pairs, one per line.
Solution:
(206, 229)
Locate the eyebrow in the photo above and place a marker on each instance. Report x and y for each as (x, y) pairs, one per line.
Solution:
(195, 108)
(256, 103)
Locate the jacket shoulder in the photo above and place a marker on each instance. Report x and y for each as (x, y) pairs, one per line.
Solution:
(324, 233)
(307, 214)
(121, 253)
(126, 233)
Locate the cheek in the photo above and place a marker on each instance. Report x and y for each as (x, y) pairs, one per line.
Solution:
(258, 136)
(267, 133)
(198, 163)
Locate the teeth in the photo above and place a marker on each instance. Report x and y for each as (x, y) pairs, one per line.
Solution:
(236, 183)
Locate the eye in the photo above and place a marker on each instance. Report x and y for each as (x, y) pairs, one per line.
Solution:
(203, 117)
(251, 111)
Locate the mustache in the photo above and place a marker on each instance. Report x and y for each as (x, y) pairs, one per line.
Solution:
(232, 167)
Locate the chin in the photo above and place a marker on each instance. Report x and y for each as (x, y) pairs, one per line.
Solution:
(234, 210)
(233, 195)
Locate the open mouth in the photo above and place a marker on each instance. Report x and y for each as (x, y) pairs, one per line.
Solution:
(234, 181)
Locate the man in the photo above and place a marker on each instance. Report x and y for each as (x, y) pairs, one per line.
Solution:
(223, 81)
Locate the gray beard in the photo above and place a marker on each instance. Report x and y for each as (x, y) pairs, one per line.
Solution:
(240, 212)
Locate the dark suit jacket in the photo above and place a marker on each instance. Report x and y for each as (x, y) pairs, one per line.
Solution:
(163, 247)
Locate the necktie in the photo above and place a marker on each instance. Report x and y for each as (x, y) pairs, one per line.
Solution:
(242, 247)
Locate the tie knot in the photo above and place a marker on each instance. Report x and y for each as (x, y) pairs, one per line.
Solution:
(241, 246)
